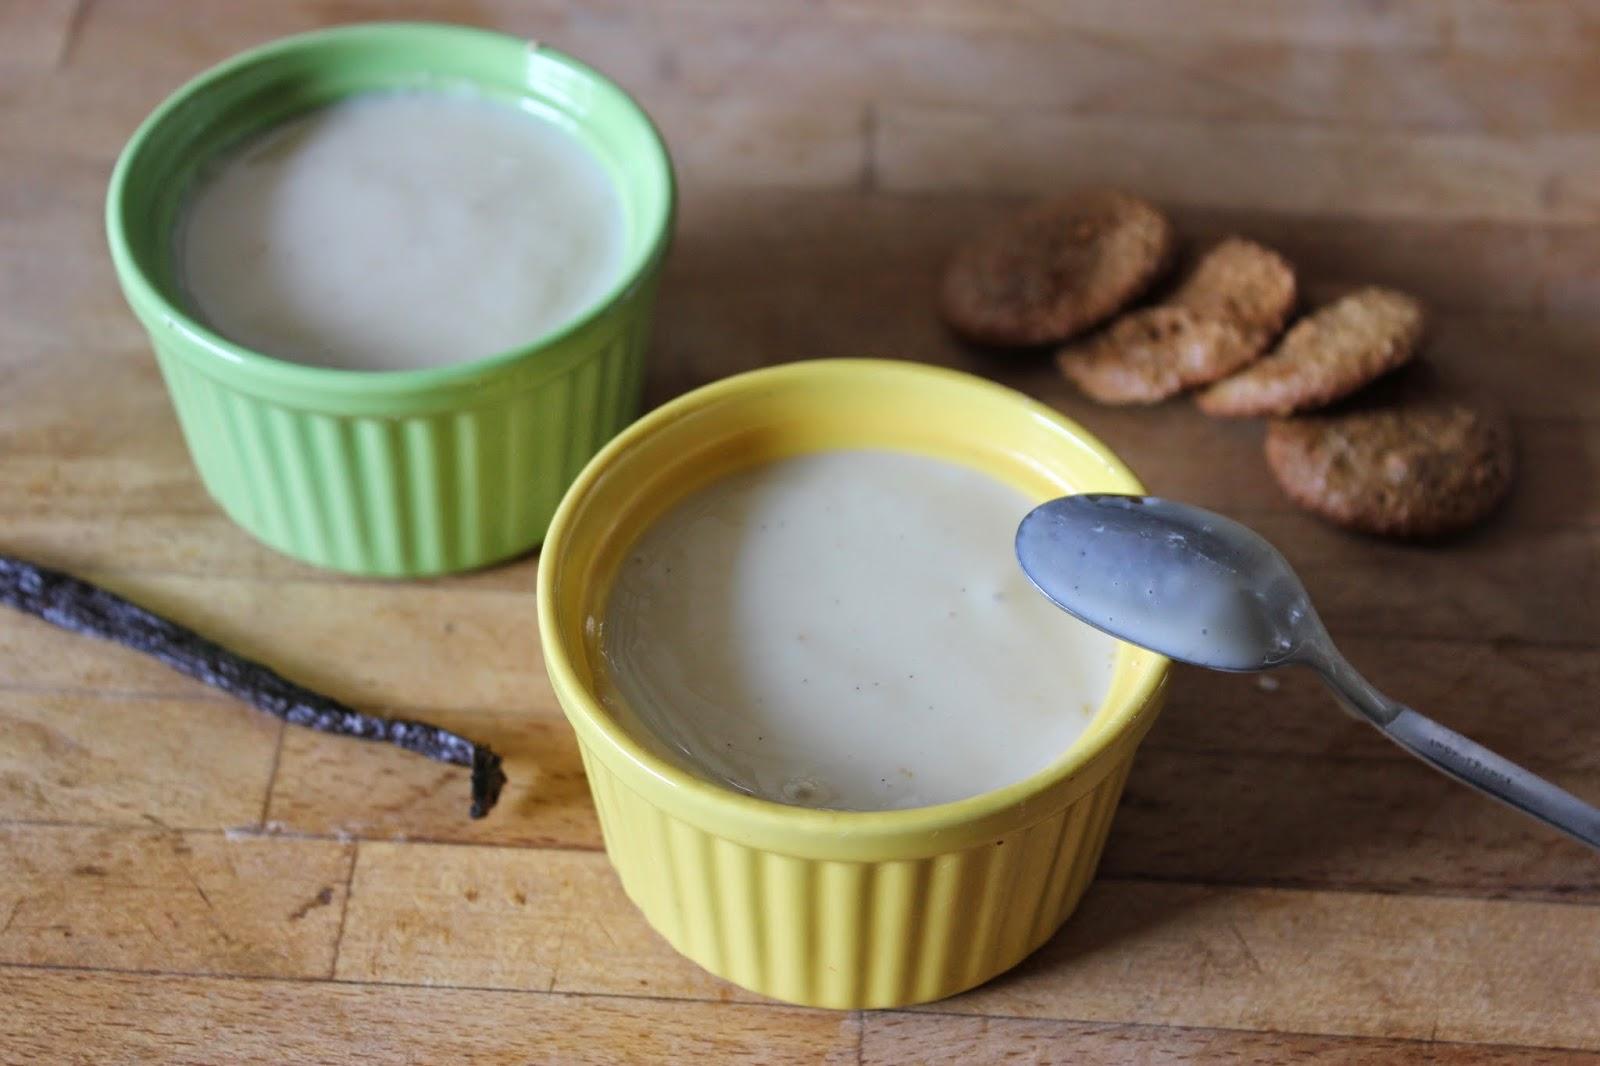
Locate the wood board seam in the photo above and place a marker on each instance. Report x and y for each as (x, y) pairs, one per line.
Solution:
(217, 975)
(253, 834)
(344, 912)
(1556, 896)
(69, 39)
(1525, 896)
(869, 147)
(1379, 757)
(937, 1010)
(272, 775)
(940, 1010)
(199, 692)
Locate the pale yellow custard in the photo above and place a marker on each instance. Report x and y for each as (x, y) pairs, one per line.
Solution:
(849, 630)
(401, 230)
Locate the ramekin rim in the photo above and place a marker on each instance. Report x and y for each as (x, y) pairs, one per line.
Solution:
(278, 372)
(761, 818)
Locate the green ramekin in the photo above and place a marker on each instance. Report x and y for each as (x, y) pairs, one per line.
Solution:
(407, 472)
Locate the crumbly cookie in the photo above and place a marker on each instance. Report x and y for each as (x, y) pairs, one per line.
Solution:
(1243, 282)
(1149, 355)
(1055, 269)
(1325, 356)
(1422, 468)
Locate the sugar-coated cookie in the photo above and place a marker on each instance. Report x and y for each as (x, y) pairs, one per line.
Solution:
(1055, 269)
(1420, 468)
(1325, 356)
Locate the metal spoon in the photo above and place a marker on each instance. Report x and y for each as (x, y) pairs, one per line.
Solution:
(1203, 589)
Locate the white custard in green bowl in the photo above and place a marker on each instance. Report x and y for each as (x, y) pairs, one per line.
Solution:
(401, 230)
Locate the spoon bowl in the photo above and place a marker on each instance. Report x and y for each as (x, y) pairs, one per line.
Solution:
(1200, 588)
(1194, 585)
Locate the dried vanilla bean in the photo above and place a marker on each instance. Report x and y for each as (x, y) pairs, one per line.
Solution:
(80, 607)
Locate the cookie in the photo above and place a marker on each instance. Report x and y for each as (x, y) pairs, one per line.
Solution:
(1422, 468)
(1325, 356)
(1055, 269)
(1242, 282)
(1149, 355)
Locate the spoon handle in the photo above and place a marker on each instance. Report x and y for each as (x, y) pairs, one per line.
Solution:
(1495, 776)
(1448, 751)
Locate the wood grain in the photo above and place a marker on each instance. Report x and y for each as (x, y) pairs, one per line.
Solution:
(1218, 956)
(1481, 270)
(37, 32)
(745, 139)
(889, 1038)
(507, 918)
(1270, 164)
(1519, 699)
(1123, 66)
(319, 634)
(1281, 884)
(91, 1018)
(143, 529)
(1221, 794)
(152, 517)
(159, 899)
(1337, 963)
(1384, 824)
(1544, 28)
(90, 757)
(1476, 588)
(371, 791)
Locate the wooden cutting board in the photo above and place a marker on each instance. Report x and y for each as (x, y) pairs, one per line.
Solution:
(182, 879)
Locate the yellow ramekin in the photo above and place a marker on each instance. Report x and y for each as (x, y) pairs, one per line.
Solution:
(824, 908)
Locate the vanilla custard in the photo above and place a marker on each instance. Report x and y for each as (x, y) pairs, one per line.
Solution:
(399, 230)
(848, 630)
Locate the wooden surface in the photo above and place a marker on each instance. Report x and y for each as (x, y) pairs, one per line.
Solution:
(182, 879)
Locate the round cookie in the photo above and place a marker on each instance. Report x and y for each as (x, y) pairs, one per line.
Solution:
(1325, 356)
(1149, 355)
(1244, 282)
(1055, 269)
(1419, 469)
